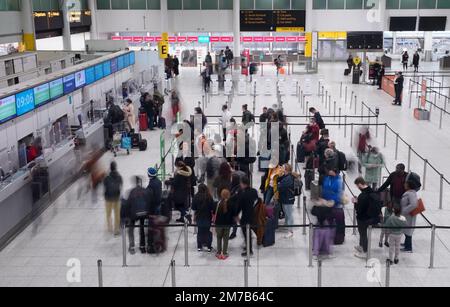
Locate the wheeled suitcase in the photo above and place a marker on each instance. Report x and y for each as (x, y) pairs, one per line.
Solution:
(269, 231)
(136, 139)
(316, 192)
(300, 153)
(309, 177)
(143, 122)
(323, 238)
(157, 242)
(166, 205)
(143, 145)
(162, 123)
(346, 72)
(421, 114)
(339, 220)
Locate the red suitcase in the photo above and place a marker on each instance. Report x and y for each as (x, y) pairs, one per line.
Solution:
(143, 122)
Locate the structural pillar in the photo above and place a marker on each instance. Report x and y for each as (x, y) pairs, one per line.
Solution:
(67, 42)
(28, 36)
(164, 16)
(93, 9)
(237, 32)
(428, 46)
(309, 16)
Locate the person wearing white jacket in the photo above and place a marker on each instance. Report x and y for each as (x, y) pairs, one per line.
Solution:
(225, 120)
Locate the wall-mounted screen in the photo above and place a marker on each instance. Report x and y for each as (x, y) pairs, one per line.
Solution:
(132, 58)
(106, 68)
(434, 23)
(41, 94)
(90, 75)
(126, 60)
(114, 65)
(98, 72)
(56, 88)
(120, 63)
(7, 108)
(25, 102)
(69, 84)
(403, 23)
(80, 79)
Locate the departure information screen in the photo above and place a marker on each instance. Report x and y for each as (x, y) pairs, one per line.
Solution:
(25, 102)
(271, 21)
(41, 94)
(56, 88)
(7, 108)
(80, 79)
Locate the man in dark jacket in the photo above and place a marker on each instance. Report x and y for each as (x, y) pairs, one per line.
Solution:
(416, 60)
(368, 211)
(155, 188)
(248, 199)
(113, 187)
(137, 209)
(264, 117)
(380, 75)
(396, 183)
(247, 116)
(318, 118)
(398, 85)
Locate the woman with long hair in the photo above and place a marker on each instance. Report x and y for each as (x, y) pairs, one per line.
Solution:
(204, 207)
(223, 181)
(224, 221)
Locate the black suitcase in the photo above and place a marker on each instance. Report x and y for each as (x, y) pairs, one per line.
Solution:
(166, 205)
(346, 72)
(162, 123)
(269, 231)
(136, 139)
(309, 177)
(300, 153)
(143, 145)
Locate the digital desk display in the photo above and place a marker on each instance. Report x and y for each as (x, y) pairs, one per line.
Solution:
(132, 58)
(25, 102)
(106, 68)
(69, 84)
(41, 94)
(56, 88)
(90, 75)
(98, 72)
(7, 108)
(126, 60)
(80, 79)
(114, 65)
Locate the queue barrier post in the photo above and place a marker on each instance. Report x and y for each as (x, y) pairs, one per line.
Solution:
(385, 135)
(340, 115)
(354, 221)
(247, 243)
(304, 215)
(369, 244)
(396, 146)
(424, 177)
(172, 270)
(186, 245)
(433, 244)
(441, 191)
(246, 264)
(319, 273)
(310, 247)
(409, 158)
(345, 126)
(388, 273)
(124, 246)
(100, 273)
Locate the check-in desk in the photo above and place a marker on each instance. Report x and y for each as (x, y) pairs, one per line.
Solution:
(92, 135)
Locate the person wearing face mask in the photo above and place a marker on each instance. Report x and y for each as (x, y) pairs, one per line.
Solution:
(373, 162)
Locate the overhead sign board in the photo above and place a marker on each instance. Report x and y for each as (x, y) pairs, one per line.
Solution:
(273, 20)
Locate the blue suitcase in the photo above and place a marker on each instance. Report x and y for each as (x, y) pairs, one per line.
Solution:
(126, 142)
(269, 231)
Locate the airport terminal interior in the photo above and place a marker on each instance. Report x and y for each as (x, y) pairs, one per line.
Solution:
(238, 143)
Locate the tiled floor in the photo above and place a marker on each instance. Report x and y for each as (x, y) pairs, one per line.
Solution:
(74, 228)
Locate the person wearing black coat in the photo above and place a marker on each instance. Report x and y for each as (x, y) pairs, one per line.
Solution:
(180, 189)
(155, 188)
(248, 199)
(381, 73)
(140, 204)
(233, 202)
(204, 207)
(398, 85)
(416, 60)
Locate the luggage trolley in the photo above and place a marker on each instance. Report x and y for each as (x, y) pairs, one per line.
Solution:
(121, 138)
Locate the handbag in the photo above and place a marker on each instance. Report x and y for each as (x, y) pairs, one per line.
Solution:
(419, 209)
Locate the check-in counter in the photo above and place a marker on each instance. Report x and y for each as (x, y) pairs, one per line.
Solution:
(92, 135)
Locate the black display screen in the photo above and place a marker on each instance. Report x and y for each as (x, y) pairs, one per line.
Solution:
(432, 23)
(402, 23)
(365, 40)
(268, 20)
(46, 21)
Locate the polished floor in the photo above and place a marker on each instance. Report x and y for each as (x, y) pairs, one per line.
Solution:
(74, 227)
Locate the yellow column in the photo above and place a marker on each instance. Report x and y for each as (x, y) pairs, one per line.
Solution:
(308, 45)
(28, 42)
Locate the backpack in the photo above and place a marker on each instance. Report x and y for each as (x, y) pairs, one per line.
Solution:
(298, 185)
(374, 210)
(414, 179)
(138, 203)
(118, 114)
(113, 186)
(342, 161)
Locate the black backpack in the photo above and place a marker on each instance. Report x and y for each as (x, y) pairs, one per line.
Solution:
(376, 204)
(298, 185)
(139, 206)
(118, 114)
(342, 161)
